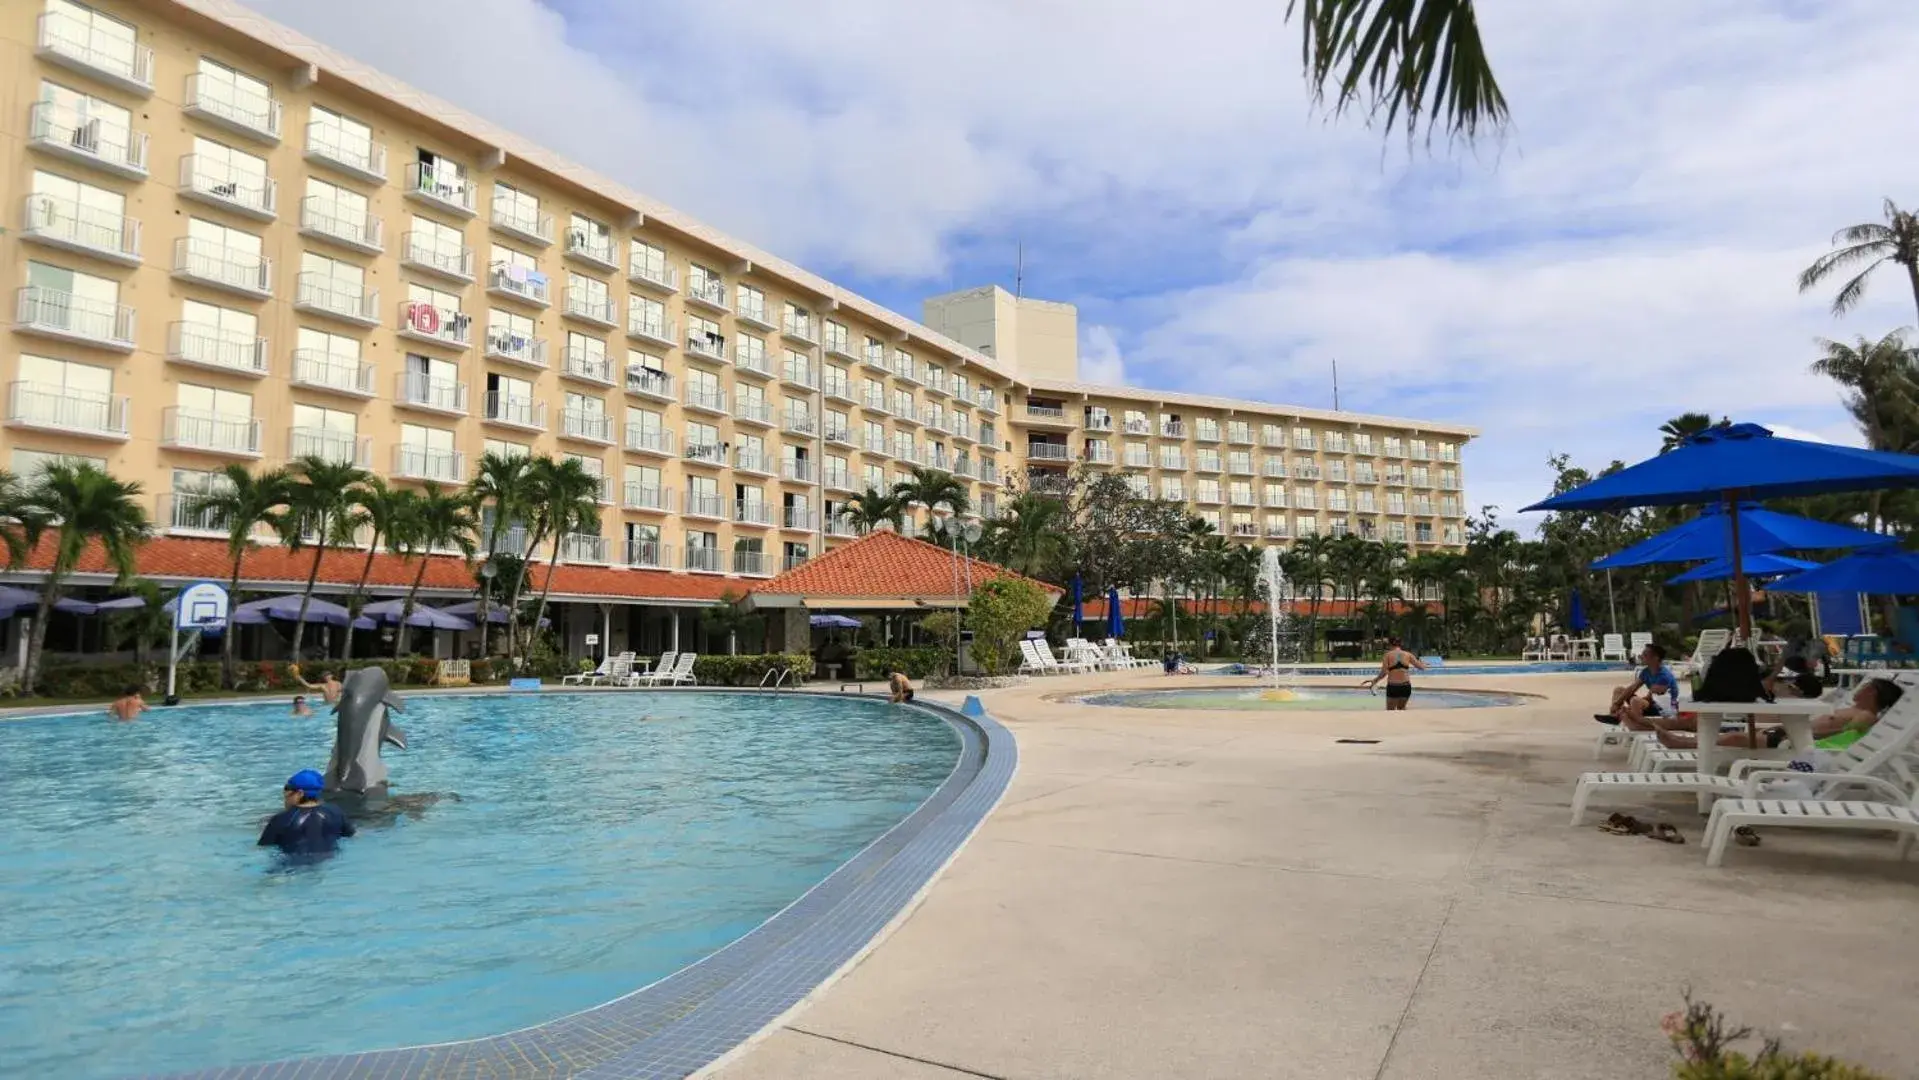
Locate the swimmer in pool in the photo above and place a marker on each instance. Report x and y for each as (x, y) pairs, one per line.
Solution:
(900, 686)
(300, 705)
(128, 705)
(328, 686)
(307, 826)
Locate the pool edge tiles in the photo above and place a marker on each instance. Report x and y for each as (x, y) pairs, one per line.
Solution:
(690, 1019)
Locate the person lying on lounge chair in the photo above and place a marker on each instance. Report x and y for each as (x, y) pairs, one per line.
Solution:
(1836, 730)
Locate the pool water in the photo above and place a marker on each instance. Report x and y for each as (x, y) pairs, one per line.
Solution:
(601, 841)
(1297, 699)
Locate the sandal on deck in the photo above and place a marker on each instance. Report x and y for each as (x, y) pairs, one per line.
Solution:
(1744, 836)
(1667, 833)
(1625, 825)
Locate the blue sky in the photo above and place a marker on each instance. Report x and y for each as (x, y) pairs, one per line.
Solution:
(1627, 253)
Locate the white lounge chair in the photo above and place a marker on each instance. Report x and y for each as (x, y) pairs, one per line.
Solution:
(1535, 649)
(1559, 647)
(638, 678)
(1612, 647)
(1640, 639)
(1030, 661)
(589, 678)
(1122, 655)
(1711, 643)
(1883, 754)
(1855, 814)
(680, 672)
(1039, 656)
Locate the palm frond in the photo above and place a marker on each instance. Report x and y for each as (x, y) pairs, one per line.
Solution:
(1407, 62)
(1851, 292)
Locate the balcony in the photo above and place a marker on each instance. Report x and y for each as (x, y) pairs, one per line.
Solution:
(1275, 470)
(515, 347)
(837, 525)
(838, 480)
(583, 548)
(203, 346)
(701, 346)
(752, 312)
(989, 473)
(529, 225)
(1139, 427)
(1048, 452)
(422, 321)
(961, 427)
(752, 512)
(650, 326)
(1173, 464)
(588, 306)
(653, 275)
(801, 328)
(709, 293)
(189, 512)
(798, 470)
(217, 185)
(63, 223)
(753, 461)
(328, 145)
(207, 263)
(1245, 530)
(418, 390)
(518, 283)
(1305, 470)
(1239, 436)
(705, 560)
(1243, 498)
(1208, 497)
(1098, 423)
(450, 193)
(514, 411)
(757, 413)
(66, 132)
(705, 399)
(987, 399)
(799, 517)
(67, 411)
(906, 450)
(320, 371)
(750, 363)
(649, 383)
(635, 496)
(1098, 453)
(428, 256)
(1054, 414)
(802, 375)
(1203, 432)
(1275, 530)
(876, 360)
(963, 468)
(902, 410)
(704, 504)
(799, 423)
(54, 314)
(1306, 444)
(211, 433)
(425, 463)
(750, 563)
(583, 365)
(1172, 429)
(1206, 463)
(840, 436)
(874, 400)
(238, 110)
(104, 55)
(641, 440)
(324, 219)
(342, 300)
(876, 444)
(586, 426)
(648, 554)
(838, 344)
(344, 447)
(1335, 445)
(838, 387)
(592, 248)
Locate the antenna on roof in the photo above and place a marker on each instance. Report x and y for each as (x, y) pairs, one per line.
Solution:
(1335, 384)
(1019, 268)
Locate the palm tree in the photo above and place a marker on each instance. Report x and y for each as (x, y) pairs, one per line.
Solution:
(872, 508)
(436, 517)
(1403, 61)
(934, 488)
(12, 538)
(565, 499)
(321, 496)
(1309, 560)
(501, 484)
(243, 501)
(1881, 380)
(1676, 431)
(1896, 241)
(84, 504)
(378, 507)
(1029, 536)
(147, 624)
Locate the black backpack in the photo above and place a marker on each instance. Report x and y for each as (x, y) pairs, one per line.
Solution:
(1734, 675)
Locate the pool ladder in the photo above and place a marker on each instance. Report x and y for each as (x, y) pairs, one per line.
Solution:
(780, 681)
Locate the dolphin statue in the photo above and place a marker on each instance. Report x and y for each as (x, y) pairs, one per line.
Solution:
(356, 778)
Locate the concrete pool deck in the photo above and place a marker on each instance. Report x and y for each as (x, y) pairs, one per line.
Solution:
(1227, 894)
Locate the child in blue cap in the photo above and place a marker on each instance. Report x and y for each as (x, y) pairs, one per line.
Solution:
(307, 826)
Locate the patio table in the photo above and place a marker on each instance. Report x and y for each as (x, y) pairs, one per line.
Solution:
(1794, 714)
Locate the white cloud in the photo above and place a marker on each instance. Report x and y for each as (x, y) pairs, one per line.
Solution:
(1099, 356)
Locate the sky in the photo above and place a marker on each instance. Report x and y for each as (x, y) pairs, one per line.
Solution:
(1627, 251)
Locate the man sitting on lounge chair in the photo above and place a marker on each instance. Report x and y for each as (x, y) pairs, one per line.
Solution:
(1655, 678)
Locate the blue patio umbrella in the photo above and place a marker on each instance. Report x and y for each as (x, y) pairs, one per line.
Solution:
(1880, 571)
(1734, 463)
(1576, 614)
(1754, 565)
(1079, 612)
(495, 613)
(832, 622)
(1709, 536)
(13, 599)
(287, 609)
(388, 611)
(1115, 621)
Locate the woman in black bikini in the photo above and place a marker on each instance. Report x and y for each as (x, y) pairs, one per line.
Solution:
(1396, 667)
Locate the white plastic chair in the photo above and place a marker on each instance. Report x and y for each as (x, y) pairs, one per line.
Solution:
(1612, 647)
(680, 672)
(1558, 648)
(1535, 649)
(1860, 815)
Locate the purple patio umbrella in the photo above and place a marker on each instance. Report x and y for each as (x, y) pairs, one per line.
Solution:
(12, 599)
(388, 611)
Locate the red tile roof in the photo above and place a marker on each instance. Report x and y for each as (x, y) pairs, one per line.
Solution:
(1148, 608)
(885, 566)
(268, 567)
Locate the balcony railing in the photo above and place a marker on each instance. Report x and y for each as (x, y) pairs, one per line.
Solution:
(753, 412)
(1099, 453)
(591, 247)
(752, 512)
(648, 553)
(214, 264)
(837, 525)
(425, 463)
(1239, 436)
(706, 559)
(314, 291)
(1045, 412)
(528, 225)
(839, 343)
(503, 344)
(875, 358)
(505, 279)
(1172, 429)
(752, 312)
(342, 446)
(214, 182)
(799, 517)
(753, 461)
(423, 391)
(254, 115)
(649, 382)
(583, 548)
(705, 504)
(321, 371)
(707, 292)
(799, 423)
(703, 453)
(988, 473)
(75, 318)
(189, 429)
(429, 255)
(587, 366)
(90, 140)
(876, 444)
(801, 375)
(514, 411)
(444, 326)
(749, 562)
(1208, 463)
(659, 329)
(95, 51)
(330, 145)
(75, 412)
(211, 347)
(709, 400)
(658, 275)
(751, 363)
(798, 470)
(801, 328)
(874, 400)
(706, 346)
(1048, 451)
(588, 304)
(1205, 433)
(647, 497)
(590, 426)
(837, 386)
(449, 192)
(838, 479)
(1139, 427)
(190, 512)
(643, 440)
(52, 220)
(987, 399)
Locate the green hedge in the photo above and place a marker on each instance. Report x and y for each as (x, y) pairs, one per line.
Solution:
(750, 670)
(917, 662)
(69, 680)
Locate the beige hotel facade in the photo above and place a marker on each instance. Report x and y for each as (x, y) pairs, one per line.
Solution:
(230, 244)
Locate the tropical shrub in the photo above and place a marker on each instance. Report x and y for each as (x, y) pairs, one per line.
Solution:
(917, 662)
(1704, 1041)
(1002, 610)
(751, 669)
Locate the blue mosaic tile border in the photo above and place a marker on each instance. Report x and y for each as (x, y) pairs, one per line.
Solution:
(691, 1018)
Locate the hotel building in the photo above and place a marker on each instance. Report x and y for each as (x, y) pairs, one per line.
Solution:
(232, 244)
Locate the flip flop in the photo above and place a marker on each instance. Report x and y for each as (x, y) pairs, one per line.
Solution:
(1625, 825)
(1605, 718)
(1744, 836)
(1667, 833)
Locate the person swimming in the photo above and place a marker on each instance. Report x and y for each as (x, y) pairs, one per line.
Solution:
(900, 687)
(328, 686)
(128, 705)
(300, 705)
(307, 826)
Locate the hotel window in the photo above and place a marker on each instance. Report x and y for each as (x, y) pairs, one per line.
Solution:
(421, 437)
(81, 27)
(211, 240)
(875, 435)
(1303, 439)
(591, 293)
(1367, 505)
(88, 123)
(1206, 428)
(1274, 466)
(1419, 476)
(797, 368)
(1140, 486)
(1446, 451)
(1172, 489)
(509, 332)
(1272, 435)
(215, 402)
(1336, 499)
(235, 93)
(1171, 458)
(231, 333)
(97, 295)
(1208, 491)
(873, 477)
(437, 245)
(516, 209)
(505, 449)
(328, 348)
(646, 315)
(1363, 472)
(430, 378)
(749, 400)
(89, 214)
(702, 440)
(752, 352)
(1305, 498)
(905, 366)
(704, 335)
(1338, 526)
(647, 261)
(1239, 431)
(1139, 455)
(1275, 495)
(936, 377)
(1275, 524)
(1136, 423)
(1395, 503)
(1240, 461)
(447, 302)
(1451, 534)
(1391, 444)
(592, 466)
(336, 277)
(341, 211)
(987, 434)
(1307, 524)
(706, 283)
(647, 422)
(589, 237)
(1336, 470)
(518, 265)
(1416, 449)
(228, 171)
(1396, 531)
(1208, 459)
(959, 388)
(752, 303)
(835, 337)
(875, 352)
(1448, 506)
(903, 403)
(67, 385)
(1242, 493)
(704, 386)
(1362, 443)
(327, 433)
(1210, 517)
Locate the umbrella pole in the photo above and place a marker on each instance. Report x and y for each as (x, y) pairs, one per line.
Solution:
(1612, 607)
(1742, 595)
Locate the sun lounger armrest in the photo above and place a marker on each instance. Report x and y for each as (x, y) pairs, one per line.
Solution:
(1891, 791)
(1741, 768)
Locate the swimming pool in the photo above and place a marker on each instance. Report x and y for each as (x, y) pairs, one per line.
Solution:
(1531, 667)
(1296, 699)
(601, 842)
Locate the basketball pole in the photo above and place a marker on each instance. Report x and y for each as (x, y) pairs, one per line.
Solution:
(173, 658)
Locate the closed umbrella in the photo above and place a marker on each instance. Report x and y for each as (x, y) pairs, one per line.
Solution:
(388, 611)
(1880, 571)
(1755, 566)
(1079, 614)
(1734, 463)
(1576, 614)
(1115, 621)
